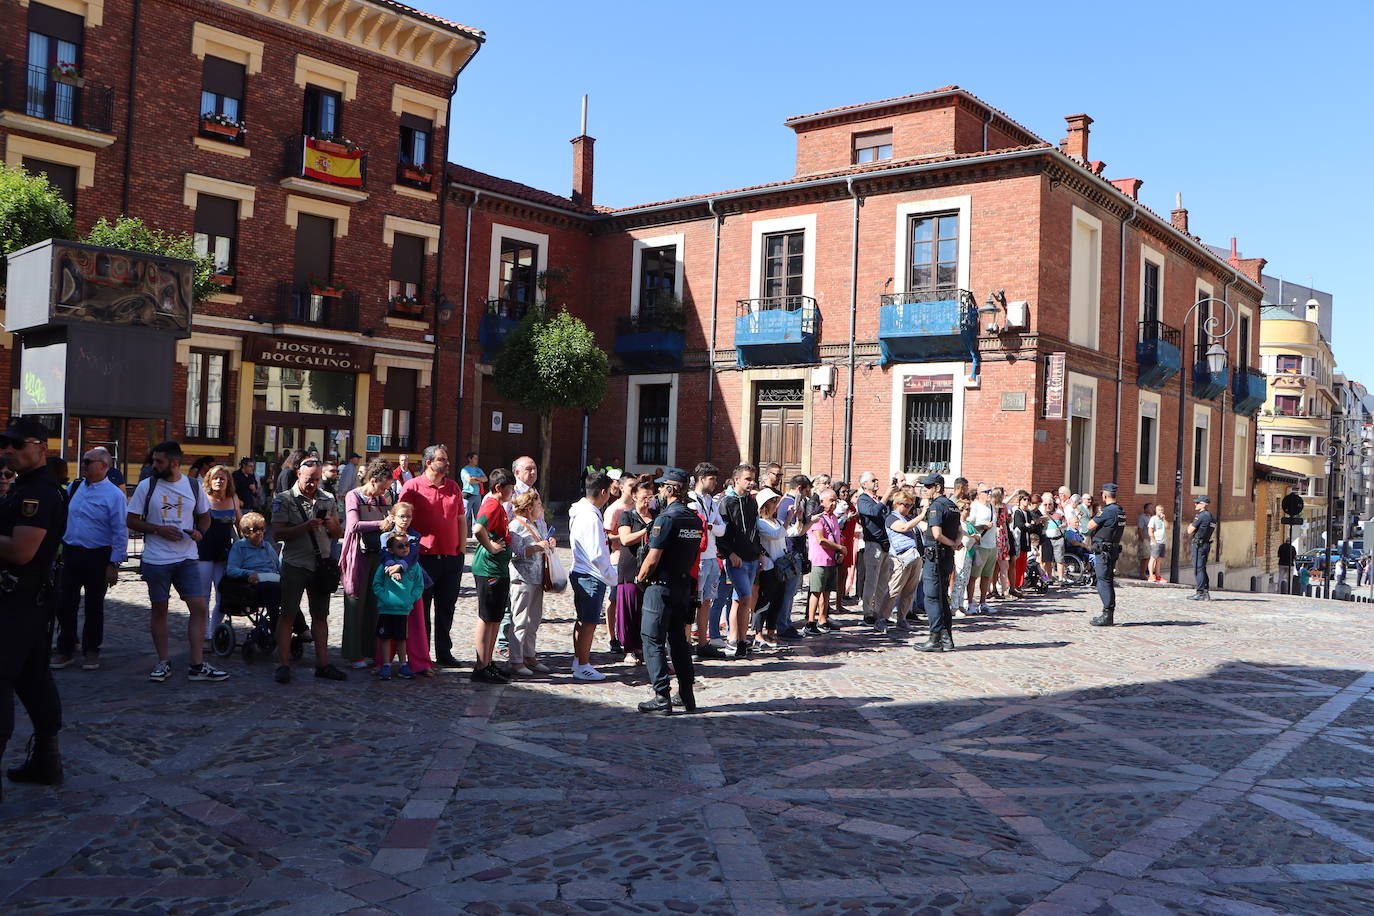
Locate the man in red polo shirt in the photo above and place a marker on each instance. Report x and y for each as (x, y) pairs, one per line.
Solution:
(440, 519)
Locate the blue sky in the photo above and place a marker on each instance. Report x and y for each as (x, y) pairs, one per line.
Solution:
(1258, 113)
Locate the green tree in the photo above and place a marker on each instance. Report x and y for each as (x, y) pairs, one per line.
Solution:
(551, 361)
(131, 234)
(31, 210)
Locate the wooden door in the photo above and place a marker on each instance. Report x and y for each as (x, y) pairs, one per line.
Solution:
(778, 437)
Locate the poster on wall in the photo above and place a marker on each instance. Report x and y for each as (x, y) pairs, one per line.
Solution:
(515, 429)
(497, 420)
(1054, 386)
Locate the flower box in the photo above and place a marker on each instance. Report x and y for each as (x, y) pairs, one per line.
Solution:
(225, 280)
(419, 176)
(329, 292)
(65, 72)
(330, 147)
(232, 131)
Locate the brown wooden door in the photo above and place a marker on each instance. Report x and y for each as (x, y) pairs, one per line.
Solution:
(778, 437)
(499, 448)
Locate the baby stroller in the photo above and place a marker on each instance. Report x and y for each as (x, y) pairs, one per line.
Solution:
(239, 598)
(1035, 578)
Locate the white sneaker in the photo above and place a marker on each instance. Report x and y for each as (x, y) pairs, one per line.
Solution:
(161, 672)
(540, 667)
(587, 673)
(519, 671)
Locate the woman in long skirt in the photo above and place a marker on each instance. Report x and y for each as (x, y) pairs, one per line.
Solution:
(366, 518)
(629, 597)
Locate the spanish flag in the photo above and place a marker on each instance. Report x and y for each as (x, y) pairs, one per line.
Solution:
(344, 167)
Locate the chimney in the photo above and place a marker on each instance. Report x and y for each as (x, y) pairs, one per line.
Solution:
(1251, 267)
(1075, 144)
(1128, 186)
(1314, 311)
(1097, 167)
(583, 163)
(1179, 216)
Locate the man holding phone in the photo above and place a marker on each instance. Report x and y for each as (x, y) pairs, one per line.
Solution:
(306, 520)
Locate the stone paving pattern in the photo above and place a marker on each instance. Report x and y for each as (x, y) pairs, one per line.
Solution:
(1199, 758)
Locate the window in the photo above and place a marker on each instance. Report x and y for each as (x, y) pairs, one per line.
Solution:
(216, 228)
(222, 88)
(657, 275)
(55, 38)
(1241, 458)
(934, 252)
(314, 248)
(61, 177)
(1201, 442)
(1149, 442)
(415, 134)
(653, 424)
(1149, 296)
(1312, 486)
(204, 395)
(398, 408)
(1290, 445)
(783, 264)
(1287, 405)
(1289, 364)
(1244, 347)
(519, 271)
(407, 267)
(1204, 311)
(927, 439)
(872, 146)
(323, 112)
(314, 391)
(1085, 278)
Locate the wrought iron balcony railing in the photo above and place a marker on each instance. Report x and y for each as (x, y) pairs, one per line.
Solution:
(40, 93)
(301, 304)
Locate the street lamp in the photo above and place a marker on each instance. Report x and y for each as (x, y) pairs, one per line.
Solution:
(1338, 449)
(1215, 354)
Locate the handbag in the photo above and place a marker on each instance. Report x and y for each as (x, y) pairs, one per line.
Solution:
(556, 576)
(787, 566)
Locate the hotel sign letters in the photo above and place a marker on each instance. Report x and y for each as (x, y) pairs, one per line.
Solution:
(293, 353)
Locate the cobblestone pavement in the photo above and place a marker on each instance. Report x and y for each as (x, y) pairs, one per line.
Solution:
(1199, 758)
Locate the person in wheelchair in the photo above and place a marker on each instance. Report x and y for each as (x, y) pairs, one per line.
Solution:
(254, 562)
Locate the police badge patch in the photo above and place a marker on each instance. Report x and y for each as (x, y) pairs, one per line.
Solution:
(28, 508)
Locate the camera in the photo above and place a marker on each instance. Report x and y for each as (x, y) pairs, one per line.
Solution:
(321, 513)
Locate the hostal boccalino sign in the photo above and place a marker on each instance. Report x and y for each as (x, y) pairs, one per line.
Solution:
(307, 354)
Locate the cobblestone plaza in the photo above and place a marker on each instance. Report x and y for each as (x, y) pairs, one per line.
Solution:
(1198, 758)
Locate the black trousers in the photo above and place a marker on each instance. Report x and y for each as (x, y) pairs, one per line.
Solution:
(667, 612)
(935, 592)
(441, 598)
(1104, 566)
(765, 616)
(83, 568)
(1200, 551)
(24, 668)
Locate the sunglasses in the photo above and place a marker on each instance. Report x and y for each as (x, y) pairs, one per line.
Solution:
(17, 442)
(310, 463)
(253, 530)
(7, 475)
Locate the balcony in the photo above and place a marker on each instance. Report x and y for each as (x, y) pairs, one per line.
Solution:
(1249, 389)
(927, 325)
(331, 168)
(1207, 384)
(501, 318)
(651, 341)
(69, 101)
(333, 309)
(1157, 355)
(409, 308)
(777, 331)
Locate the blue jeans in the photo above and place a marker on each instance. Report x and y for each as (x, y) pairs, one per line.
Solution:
(589, 597)
(787, 596)
(725, 592)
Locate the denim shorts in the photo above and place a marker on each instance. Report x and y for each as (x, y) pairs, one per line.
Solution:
(743, 576)
(184, 574)
(708, 580)
(589, 597)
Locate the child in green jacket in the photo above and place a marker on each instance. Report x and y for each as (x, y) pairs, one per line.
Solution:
(396, 591)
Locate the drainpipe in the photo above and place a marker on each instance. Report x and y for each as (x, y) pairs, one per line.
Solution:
(129, 117)
(1120, 334)
(1221, 426)
(986, 123)
(853, 323)
(463, 342)
(717, 219)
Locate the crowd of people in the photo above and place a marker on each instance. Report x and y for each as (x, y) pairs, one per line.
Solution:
(678, 567)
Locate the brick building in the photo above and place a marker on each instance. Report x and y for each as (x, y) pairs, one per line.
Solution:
(300, 143)
(935, 288)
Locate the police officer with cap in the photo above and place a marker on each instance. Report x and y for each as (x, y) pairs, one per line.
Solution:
(33, 518)
(942, 533)
(1201, 532)
(666, 575)
(1106, 529)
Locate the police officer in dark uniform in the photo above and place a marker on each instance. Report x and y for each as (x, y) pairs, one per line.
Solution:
(1201, 532)
(32, 520)
(943, 531)
(675, 541)
(1106, 529)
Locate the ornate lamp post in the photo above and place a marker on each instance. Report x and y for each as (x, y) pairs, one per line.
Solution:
(1338, 448)
(1216, 364)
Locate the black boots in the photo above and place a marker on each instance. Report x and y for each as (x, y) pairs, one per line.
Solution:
(933, 643)
(44, 764)
(1105, 619)
(947, 640)
(659, 706)
(688, 698)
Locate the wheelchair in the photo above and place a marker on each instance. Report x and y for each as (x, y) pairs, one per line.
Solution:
(240, 598)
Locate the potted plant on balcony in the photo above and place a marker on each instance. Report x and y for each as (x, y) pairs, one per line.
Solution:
(64, 71)
(224, 276)
(331, 289)
(333, 144)
(407, 306)
(222, 125)
(415, 173)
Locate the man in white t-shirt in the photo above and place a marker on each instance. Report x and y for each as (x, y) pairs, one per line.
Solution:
(983, 518)
(171, 511)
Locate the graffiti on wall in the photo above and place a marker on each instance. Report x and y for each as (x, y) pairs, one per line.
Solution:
(121, 287)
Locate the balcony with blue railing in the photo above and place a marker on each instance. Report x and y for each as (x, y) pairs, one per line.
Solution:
(1249, 389)
(1157, 355)
(776, 331)
(652, 340)
(501, 317)
(1208, 383)
(928, 325)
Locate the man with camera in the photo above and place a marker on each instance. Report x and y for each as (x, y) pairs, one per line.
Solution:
(306, 520)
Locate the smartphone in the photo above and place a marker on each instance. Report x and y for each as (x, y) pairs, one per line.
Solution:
(321, 513)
